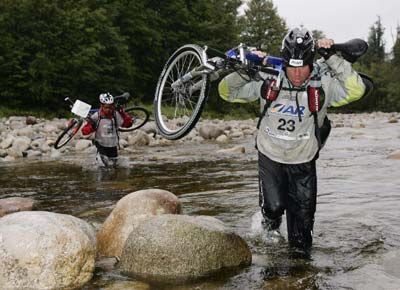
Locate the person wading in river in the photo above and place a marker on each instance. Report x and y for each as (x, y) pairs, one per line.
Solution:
(105, 124)
(293, 127)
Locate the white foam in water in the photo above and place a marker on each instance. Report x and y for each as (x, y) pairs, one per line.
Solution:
(110, 163)
(94, 163)
(258, 232)
(55, 154)
(123, 161)
(256, 227)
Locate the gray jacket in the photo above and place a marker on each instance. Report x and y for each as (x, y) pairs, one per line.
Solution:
(107, 129)
(283, 136)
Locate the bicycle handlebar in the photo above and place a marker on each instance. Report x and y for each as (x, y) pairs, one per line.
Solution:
(125, 96)
(350, 50)
(271, 60)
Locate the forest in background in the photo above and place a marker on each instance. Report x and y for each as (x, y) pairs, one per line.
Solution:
(50, 49)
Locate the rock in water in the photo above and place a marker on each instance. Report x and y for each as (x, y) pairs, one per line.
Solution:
(180, 247)
(44, 250)
(128, 213)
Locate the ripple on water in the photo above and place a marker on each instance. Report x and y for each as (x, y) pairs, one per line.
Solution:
(356, 221)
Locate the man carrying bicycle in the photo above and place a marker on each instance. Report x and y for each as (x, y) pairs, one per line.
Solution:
(105, 124)
(293, 127)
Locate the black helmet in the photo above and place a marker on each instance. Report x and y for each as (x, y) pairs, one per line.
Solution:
(298, 47)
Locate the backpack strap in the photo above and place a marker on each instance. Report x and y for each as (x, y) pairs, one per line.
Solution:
(270, 92)
(116, 127)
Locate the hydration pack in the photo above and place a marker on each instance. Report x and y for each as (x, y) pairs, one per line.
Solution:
(113, 122)
(270, 91)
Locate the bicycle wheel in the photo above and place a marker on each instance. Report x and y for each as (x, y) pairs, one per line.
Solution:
(139, 117)
(67, 134)
(178, 108)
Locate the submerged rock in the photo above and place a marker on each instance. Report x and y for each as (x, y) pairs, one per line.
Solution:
(15, 204)
(233, 150)
(180, 247)
(394, 155)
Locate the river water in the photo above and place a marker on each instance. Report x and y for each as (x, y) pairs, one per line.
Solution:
(357, 228)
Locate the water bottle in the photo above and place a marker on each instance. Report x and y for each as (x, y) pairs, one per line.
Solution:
(314, 94)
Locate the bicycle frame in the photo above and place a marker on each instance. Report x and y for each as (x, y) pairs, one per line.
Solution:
(205, 69)
(185, 81)
(237, 56)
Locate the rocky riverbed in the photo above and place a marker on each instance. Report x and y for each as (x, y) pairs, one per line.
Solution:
(213, 172)
(32, 138)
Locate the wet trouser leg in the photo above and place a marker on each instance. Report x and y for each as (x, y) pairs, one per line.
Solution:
(302, 198)
(290, 187)
(107, 154)
(273, 187)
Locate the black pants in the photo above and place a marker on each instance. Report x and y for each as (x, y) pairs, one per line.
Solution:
(290, 187)
(110, 152)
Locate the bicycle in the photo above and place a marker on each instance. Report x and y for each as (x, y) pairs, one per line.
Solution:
(83, 112)
(184, 83)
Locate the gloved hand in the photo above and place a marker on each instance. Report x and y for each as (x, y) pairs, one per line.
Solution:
(325, 47)
(325, 53)
(119, 109)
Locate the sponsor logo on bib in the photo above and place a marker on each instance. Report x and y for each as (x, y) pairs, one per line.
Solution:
(287, 109)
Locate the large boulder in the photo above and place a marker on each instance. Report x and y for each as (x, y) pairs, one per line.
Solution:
(43, 250)
(128, 213)
(181, 247)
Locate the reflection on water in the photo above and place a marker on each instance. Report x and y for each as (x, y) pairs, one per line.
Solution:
(356, 222)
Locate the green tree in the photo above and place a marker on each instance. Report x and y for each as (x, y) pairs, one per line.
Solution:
(376, 43)
(59, 48)
(374, 64)
(262, 26)
(318, 34)
(154, 31)
(392, 77)
(396, 49)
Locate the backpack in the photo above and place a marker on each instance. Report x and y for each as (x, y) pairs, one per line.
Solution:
(114, 123)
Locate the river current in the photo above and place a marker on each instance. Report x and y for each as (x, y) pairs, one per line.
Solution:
(357, 227)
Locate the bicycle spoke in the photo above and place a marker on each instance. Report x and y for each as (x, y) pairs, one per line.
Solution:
(179, 105)
(190, 66)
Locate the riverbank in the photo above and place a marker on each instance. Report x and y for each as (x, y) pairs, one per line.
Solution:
(31, 138)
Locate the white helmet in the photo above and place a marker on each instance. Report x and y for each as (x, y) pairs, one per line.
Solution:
(106, 98)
